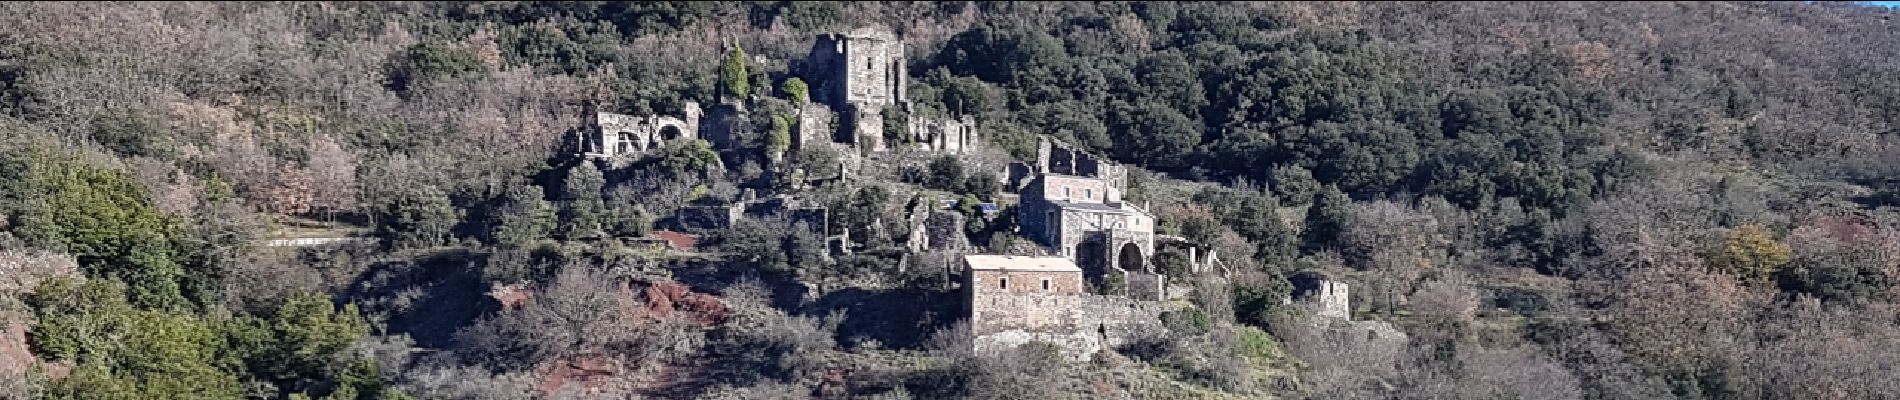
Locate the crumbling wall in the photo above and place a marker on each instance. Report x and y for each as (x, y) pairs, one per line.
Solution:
(944, 135)
(1080, 324)
(814, 126)
(943, 230)
(866, 127)
(707, 217)
(613, 135)
(1333, 300)
(1146, 286)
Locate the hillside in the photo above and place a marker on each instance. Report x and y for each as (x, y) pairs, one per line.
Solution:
(779, 200)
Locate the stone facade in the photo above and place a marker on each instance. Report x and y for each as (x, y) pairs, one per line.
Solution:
(864, 66)
(990, 274)
(1072, 203)
(1014, 300)
(1330, 304)
(613, 135)
(814, 126)
(944, 135)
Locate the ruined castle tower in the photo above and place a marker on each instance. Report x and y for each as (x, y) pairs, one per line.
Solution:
(860, 74)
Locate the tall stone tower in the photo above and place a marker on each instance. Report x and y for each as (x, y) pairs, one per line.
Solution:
(859, 74)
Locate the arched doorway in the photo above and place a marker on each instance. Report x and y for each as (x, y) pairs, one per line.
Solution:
(670, 132)
(1130, 259)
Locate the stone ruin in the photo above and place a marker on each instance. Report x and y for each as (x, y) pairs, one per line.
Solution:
(1014, 300)
(858, 76)
(1097, 288)
(1072, 203)
(614, 135)
(1329, 302)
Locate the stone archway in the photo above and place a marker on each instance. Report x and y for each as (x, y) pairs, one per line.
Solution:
(1130, 258)
(670, 132)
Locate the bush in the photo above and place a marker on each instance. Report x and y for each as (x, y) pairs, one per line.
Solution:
(1187, 322)
(796, 90)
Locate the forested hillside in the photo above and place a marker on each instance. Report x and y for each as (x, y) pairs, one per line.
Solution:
(1551, 199)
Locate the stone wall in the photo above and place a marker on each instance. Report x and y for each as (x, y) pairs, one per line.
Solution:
(864, 66)
(943, 230)
(1332, 300)
(814, 126)
(990, 282)
(1146, 286)
(707, 217)
(944, 135)
(1080, 324)
(1074, 188)
(613, 135)
(865, 127)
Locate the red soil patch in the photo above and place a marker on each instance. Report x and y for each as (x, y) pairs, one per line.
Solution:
(679, 241)
(663, 299)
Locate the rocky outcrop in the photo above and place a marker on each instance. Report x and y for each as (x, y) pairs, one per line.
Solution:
(667, 299)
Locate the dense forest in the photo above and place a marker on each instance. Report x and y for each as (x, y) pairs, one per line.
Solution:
(1553, 200)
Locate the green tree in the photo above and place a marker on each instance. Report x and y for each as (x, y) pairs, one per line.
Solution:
(1327, 217)
(303, 347)
(945, 172)
(693, 157)
(797, 90)
(419, 217)
(107, 221)
(432, 60)
(521, 216)
(1751, 254)
(733, 79)
(581, 190)
(1257, 218)
(780, 139)
(124, 353)
(1295, 184)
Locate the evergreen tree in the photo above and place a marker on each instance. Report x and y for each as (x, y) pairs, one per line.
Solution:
(1326, 218)
(419, 217)
(780, 139)
(581, 190)
(521, 216)
(733, 79)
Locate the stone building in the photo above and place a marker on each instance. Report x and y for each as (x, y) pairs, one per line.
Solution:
(612, 135)
(944, 135)
(1013, 300)
(1072, 204)
(860, 74)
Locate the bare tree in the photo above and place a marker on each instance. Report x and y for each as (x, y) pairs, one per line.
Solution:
(333, 171)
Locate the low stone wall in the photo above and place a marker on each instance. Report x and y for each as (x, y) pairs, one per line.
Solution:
(1081, 324)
